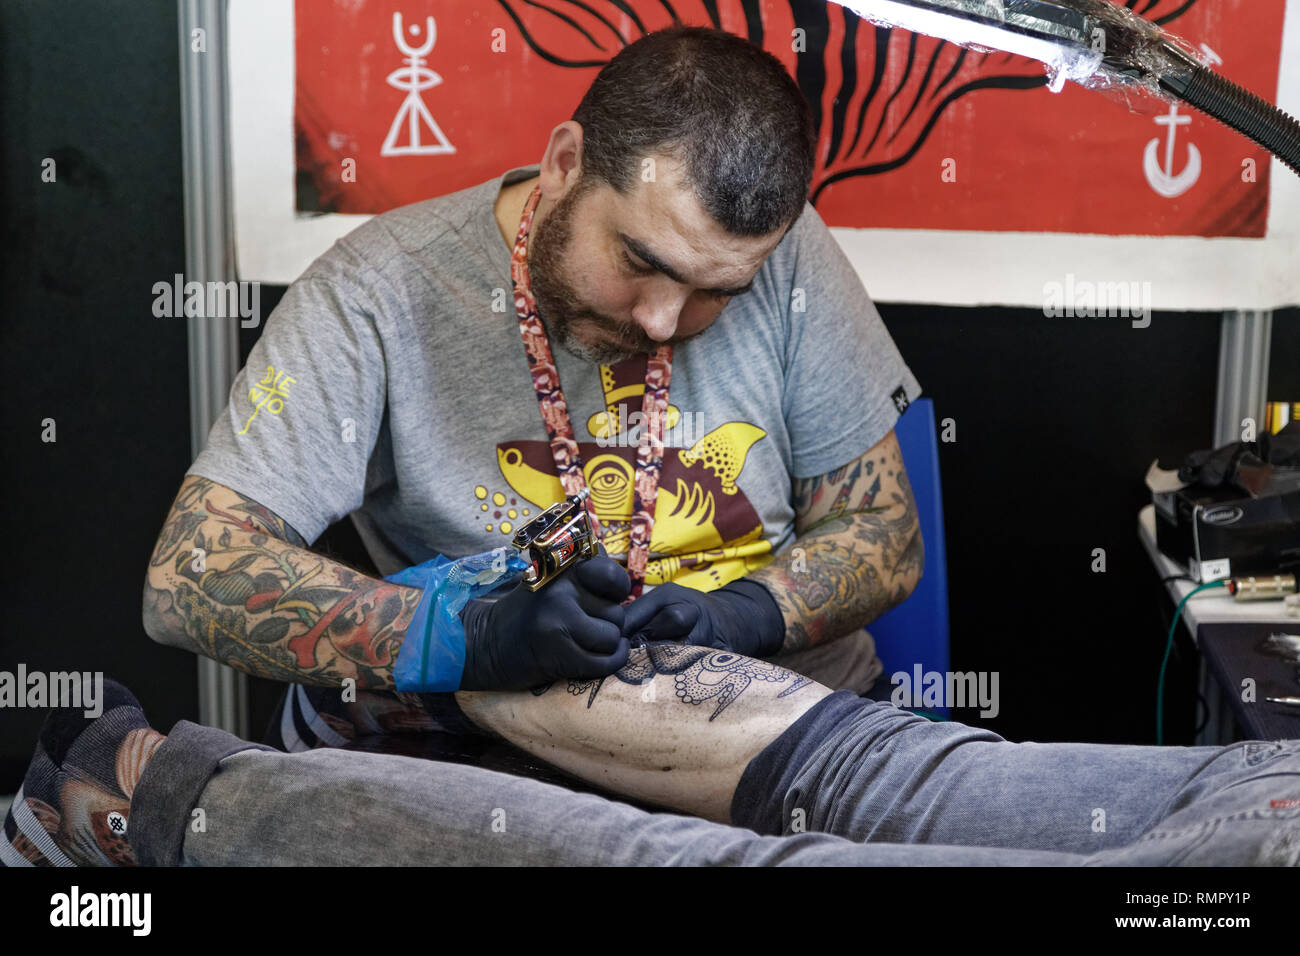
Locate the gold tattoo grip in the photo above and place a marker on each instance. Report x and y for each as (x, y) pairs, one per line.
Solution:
(558, 537)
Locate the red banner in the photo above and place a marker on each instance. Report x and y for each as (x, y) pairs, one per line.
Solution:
(914, 132)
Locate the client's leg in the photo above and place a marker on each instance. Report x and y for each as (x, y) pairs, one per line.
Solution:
(676, 726)
(331, 807)
(204, 796)
(729, 738)
(115, 791)
(870, 772)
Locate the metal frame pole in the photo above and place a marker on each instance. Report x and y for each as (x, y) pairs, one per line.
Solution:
(1245, 339)
(209, 256)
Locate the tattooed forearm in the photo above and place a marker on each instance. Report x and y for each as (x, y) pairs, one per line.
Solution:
(190, 511)
(840, 581)
(231, 580)
(859, 554)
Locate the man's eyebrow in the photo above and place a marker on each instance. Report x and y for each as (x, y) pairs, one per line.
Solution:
(654, 262)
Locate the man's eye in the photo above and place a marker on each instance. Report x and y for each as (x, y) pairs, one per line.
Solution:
(643, 270)
(634, 267)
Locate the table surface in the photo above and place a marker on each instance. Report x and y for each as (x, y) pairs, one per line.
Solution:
(1208, 607)
(1235, 651)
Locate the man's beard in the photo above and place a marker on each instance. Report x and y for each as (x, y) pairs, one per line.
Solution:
(563, 314)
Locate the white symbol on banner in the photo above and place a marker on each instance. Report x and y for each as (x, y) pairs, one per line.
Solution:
(414, 77)
(1162, 179)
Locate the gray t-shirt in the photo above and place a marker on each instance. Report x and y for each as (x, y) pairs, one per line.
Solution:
(390, 383)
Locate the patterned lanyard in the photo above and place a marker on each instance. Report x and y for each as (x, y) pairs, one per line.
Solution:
(555, 412)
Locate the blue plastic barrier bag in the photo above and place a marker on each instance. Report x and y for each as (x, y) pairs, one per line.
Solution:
(432, 657)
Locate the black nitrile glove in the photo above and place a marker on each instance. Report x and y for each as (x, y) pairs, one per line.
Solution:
(571, 628)
(741, 617)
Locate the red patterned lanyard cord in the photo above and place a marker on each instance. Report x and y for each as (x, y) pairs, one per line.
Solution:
(555, 412)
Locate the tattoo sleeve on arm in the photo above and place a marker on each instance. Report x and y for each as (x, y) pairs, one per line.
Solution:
(233, 581)
(858, 552)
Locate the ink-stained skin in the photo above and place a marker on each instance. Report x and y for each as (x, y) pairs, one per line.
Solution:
(675, 727)
(700, 674)
(851, 562)
(232, 580)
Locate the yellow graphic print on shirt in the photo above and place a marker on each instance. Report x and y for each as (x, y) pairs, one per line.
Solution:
(706, 532)
(270, 394)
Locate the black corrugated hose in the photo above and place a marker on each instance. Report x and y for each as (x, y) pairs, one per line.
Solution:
(1238, 108)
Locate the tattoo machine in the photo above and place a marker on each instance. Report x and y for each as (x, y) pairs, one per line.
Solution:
(558, 537)
(432, 656)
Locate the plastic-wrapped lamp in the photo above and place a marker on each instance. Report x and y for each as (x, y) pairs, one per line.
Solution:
(1098, 44)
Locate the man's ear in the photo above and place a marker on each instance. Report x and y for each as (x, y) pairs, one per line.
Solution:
(561, 165)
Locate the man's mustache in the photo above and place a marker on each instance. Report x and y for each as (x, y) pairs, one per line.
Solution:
(626, 335)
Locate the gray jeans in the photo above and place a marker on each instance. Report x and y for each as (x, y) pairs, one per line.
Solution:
(852, 782)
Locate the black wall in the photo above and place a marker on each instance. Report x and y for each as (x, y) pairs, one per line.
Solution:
(1056, 419)
(95, 86)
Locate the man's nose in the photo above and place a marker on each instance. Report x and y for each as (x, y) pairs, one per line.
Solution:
(659, 314)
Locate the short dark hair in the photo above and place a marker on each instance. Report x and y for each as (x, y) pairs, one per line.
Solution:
(723, 107)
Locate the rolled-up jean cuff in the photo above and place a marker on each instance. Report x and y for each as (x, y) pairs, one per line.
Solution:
(759, 801)
(170, 788)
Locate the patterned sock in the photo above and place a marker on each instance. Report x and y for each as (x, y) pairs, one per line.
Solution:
(74, 806)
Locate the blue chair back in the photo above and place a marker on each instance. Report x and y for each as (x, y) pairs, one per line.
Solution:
(916, 632)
